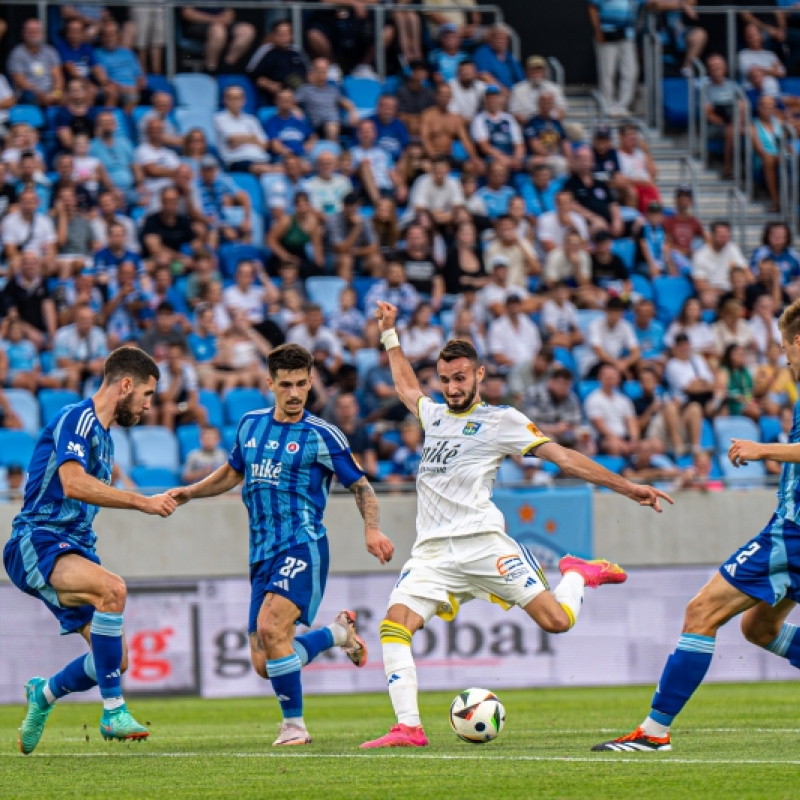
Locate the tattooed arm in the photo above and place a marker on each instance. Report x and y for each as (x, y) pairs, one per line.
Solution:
(377, 544)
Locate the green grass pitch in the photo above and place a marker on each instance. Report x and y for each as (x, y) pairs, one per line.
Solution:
(733, 741)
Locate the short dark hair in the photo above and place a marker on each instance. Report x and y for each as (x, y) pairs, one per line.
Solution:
(459, 348)
(615, 304)
(130, 362)
(719, 223)
(165, 307)
(289, 357)
(561, 373)
(275, 25)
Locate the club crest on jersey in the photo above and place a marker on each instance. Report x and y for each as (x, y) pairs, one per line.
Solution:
(292, 447)
(471, 428)
(74, 447)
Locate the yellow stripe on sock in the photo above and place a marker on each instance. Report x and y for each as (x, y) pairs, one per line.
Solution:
(570, 613)
(395, 633)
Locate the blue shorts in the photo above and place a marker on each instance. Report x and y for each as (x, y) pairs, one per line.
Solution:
(29, 560)
(298, 574)
(768, 566)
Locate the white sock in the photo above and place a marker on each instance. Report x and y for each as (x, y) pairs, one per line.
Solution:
(569, 594)
(401, 673)
(340, 634)
(110, 703)
(653, 728)
(294, 721)
(48, 694)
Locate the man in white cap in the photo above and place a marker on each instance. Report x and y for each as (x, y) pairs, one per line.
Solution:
(524, 102)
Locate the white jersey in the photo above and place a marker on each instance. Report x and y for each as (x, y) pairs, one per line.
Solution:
(460, 458)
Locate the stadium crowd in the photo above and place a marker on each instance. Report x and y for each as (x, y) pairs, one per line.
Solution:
(271, 199)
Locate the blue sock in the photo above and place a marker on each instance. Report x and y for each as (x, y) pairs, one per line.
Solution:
(787, 644)
(284, 674)
(683, 673)
(106, 632)
(77, 676)
(310, 645)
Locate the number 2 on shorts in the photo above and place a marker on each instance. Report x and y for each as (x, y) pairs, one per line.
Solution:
(291, 567)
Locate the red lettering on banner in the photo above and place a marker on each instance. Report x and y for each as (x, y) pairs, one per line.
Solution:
(142, 647)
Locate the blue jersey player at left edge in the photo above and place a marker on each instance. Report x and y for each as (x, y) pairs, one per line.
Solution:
(286, 459)
(51, 553)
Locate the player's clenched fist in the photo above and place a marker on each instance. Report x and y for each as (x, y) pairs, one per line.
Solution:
(379, 546)
(386, 314)
(160, 504)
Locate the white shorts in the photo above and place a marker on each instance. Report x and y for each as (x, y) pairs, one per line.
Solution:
(444, 573)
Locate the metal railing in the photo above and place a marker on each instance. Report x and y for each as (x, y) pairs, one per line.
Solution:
(556, 69)
(599, 114)
(789, 189)
(686, 164)
(693, 89)
(737, 202)
(295, 9)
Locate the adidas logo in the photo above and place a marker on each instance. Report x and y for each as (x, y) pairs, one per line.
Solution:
(282, 585)
(250, 443)
(731, 569)
(530, 582)
(284, 698)
(394, 677)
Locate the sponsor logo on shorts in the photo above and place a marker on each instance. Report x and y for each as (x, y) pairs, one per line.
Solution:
(511, 567)
(471, 428)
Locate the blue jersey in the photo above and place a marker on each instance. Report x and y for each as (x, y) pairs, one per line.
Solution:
(789, 487)
(74, 434)
(287, 469)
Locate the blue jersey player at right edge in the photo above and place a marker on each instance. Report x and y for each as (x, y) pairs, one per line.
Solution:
(287, 458)
(761, 581)
(51, 552)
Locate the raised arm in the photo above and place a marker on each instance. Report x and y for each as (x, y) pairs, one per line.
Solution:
(742, 451)
(378, 545)
(218, 482)
(405, 381)
(573, 463)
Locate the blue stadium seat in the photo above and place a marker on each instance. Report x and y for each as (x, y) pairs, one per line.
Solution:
(366, 358)
(51, 401)
(250, 96)
(670, 293)
(265, 113)
(770, 428)
(362, 284)
(584, 358)
(249, 183)
(675, 95)
(611, 463)
(586, 316)
(188, 439)
(16, 448)
(239, 402)
(325, 290)
(585, 388)
(565, 358)
(213, 405)
(32, 115)
(632, 389)
(155, 479)
(727, 428)
(790, 86)
(392, 84)
(196, 117)
(26, 407)
(196, 90)
(446, 319)
(154, 446)
(364, 92)
(509, 472)
(642, 286)
(123, 125)
(707, 439)
(136, 117)
(626, 250)
(231, 254)
(384, 470)
(123, 455)
(159, 83)
(229, 436)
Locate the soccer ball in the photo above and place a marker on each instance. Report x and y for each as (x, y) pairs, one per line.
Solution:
(477, 716)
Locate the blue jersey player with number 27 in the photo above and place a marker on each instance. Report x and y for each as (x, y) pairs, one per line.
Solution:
(51, 553)
(286, 459)
(761, 581)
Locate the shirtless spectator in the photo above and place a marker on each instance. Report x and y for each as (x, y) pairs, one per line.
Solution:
(440, 128)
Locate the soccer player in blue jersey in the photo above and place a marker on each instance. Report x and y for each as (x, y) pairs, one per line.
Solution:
(51, 553)
(761, 581)
(286, 459)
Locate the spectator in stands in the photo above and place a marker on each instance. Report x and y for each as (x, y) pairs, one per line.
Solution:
(27, 230)
(150, 23)
(155, 166)
(163, 109)
(114, 152)
(513, 338)
(289, 238)
(755, 55)
(195, 146)
(607, 166)
(539, 190)
(546, 138)
(712, 264)
(74, 116)
(24, 139)
(7, 101)
(373, 166)
(218, 28)
(74, 239)
(214, 193)
(766, 133)
(406, 459)
(288, 131)
(87, 170)
(609, 273)
(177, 399)
(80, 350)
(612, 415)
(278, 64)
(594, 200)
(166, 232)
(495, 63)
(637, 166)
(391, 132)
(773, 384)
(444, 60)
(559, 318)
(776, 245)
(393, 288)
(654, 256)
(246, 296)
(380, 396)
(682, 227)
(107, 260)
(124, 72)
(613, 341)
(326, 189)
(437, 192)
(690, 379)
(649, 331)
(497, 133)
(107, 213)
(569, 263)
(731, 327)
(524, 102)
(240, 139)
(241, 353)
(515, 250)
(422, 266)
(348, 322)
(464, 265)
(10, 421)
(353, 240)
(35, 68)
(721, 101)
(644, 463)
(682, 37)
(614, 26)
(465, 327)
(78, 61)
(347, 418)
(553, 225)
(421, 340)
(764, 325)
(321, 101)
(467, 91)
(414, 97)
(19, 358)
(8, 192)
(440, 129)
(555, 407)
(200, 463)
(690, 322)
(767, 281)
(787, 423)
(734, 384)
(164, 290)
(496, 194)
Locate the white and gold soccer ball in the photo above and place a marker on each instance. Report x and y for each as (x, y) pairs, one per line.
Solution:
(477, 715)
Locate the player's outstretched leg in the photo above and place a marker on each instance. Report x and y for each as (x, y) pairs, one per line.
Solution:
(41, 694)
(116, 722)
(401, 673)
(341, 632)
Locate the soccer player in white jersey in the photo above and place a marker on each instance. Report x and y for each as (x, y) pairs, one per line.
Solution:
(462, 551)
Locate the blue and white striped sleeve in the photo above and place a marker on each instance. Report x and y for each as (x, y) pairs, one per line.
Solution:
(72, 435)
(340, 458)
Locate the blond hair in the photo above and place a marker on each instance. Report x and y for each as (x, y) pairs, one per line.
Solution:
(789, 323)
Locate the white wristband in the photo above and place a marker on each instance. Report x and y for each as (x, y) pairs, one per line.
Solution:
(390, 339)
